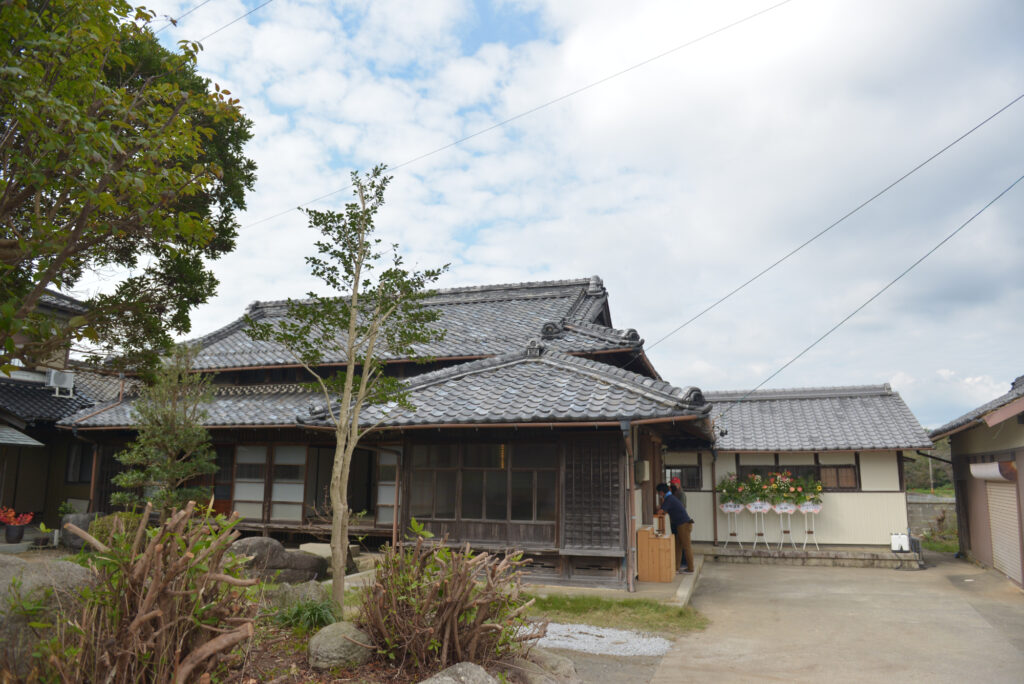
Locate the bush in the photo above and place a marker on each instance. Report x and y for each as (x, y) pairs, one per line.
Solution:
(168, 605)
(105, 527)
(307, 616)
(434, 607)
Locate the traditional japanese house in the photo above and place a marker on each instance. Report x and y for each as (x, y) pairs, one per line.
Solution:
(525, 433)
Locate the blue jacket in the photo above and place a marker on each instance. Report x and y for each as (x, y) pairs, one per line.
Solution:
(677, 514)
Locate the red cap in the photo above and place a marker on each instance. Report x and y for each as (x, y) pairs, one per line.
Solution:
(675, 481)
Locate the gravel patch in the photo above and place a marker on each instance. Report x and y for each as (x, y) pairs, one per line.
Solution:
(603, 640)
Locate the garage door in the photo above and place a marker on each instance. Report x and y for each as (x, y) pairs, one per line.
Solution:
(1005, 522)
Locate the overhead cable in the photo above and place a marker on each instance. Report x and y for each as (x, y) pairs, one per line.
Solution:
(874, 296)
(539, 107)
(174, 22)
(845, 216)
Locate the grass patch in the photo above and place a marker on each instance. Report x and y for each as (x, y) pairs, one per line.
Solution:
(939, 491)
(943, 545)
(640, 614)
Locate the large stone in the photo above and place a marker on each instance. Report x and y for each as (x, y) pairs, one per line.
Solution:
(289, 594)
(82, 521)
(462, 673)
(541, 666)
(264, 552)
(51, 587)
(324, 551)
(338, 645)
(269, 560)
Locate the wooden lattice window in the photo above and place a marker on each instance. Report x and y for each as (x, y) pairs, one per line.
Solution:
(593, 496)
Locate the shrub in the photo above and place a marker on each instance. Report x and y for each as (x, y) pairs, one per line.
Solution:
(434, 606)
(307, 616)
(105, 527)
(168, 605)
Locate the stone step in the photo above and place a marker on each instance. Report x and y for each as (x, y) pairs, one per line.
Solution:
(844, 558)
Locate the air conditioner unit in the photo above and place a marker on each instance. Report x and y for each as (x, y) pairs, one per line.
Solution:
(642, 471)
(61, 380)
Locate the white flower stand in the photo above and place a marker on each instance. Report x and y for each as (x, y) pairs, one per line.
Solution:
(759, 508)
(785, 511)
(732, 512)
(810, 510)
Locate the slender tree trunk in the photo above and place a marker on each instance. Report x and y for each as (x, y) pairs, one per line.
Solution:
(339, 517)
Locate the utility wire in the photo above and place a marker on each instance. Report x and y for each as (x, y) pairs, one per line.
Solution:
(235, 20)
(539, 107)
(174, 22)
(874, 296)
(836, 223)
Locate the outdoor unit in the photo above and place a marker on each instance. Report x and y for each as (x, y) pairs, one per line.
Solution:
(61, 380)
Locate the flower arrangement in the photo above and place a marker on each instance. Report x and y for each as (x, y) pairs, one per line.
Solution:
(774, 488)
(733, 490)
(9, 517)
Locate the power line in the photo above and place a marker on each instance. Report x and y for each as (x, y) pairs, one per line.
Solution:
(845, 216)
(233, 21)
(876, 295)
(174, 22)
(539, 107)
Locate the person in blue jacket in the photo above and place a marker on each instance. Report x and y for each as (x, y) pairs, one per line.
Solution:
(681, 524)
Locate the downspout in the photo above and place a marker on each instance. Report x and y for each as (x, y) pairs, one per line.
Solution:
(627, 435)
(714, 481)
(934, 458)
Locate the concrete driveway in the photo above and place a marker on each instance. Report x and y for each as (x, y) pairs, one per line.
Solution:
(952, 622)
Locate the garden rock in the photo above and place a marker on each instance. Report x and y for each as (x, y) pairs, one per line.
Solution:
(81, 520)
(323, 550)
(462, 673)
(289, 594)
(269, 560)
(541, 666)
(337, 645)
(55, 584)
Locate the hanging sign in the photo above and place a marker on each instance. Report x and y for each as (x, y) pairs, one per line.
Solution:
(809, 507)
(731, 507)
(759, 507)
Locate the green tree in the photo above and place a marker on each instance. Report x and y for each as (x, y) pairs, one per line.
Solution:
(114, 156)
(172, 448)
(375, 313)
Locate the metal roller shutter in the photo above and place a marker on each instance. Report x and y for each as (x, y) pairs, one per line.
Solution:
(1004, 520)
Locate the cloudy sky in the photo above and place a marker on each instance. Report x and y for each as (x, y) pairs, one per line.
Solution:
(675, 181)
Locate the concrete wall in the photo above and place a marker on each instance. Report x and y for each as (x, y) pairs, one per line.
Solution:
(923, 510)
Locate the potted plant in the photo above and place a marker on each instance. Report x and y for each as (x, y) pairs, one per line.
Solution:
(15, 523)
(808, 495)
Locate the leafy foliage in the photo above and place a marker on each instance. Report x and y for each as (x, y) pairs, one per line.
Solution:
(172, 447)
(104, 528)
(432, 606)
(168, 604)
(112, 150)
(375, 312)
(775, 488)
(307, 616)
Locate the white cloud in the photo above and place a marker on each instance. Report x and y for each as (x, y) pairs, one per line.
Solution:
(675, 182)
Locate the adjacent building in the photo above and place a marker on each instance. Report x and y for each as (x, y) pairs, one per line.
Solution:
(987, 450)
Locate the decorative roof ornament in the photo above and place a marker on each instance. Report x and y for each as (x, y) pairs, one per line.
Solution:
(551, 330)
(693, 397)
(534, 348)
(596, 286)
(631, 335)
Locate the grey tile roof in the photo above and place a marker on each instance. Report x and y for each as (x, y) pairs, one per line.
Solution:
(232, 405)
(511, 388)
(33, 402)
(62, 302)
(816, 419)
(524, 388)
(9, 435)
(1016, 392)
(480, 321)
